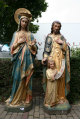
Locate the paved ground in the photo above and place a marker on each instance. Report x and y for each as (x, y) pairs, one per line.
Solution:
(38, 113)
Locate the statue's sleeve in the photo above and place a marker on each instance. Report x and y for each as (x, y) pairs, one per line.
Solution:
(64, 45)
(34, 48)
(48, 75)
(13, 38)
(47, 47)
(32, 37)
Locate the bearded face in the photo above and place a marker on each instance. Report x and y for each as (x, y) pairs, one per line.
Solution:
(56, 28)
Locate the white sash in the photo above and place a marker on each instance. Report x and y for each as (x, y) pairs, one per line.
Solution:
(59, 74)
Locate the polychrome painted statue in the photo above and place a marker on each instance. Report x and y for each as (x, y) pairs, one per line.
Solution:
(51, 88)
(23, 50)
(57, 48)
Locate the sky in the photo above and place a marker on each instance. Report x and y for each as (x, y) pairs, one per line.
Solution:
(66, 11)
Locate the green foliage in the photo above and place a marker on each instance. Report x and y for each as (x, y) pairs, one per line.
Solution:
(7, 10)
(74, 95)
(75, 52)
(2, 6)
(5, 78)
(33, 27)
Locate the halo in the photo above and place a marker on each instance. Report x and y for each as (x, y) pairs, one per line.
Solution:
(22, 12)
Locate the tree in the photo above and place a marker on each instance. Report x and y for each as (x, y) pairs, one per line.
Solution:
(7, 10)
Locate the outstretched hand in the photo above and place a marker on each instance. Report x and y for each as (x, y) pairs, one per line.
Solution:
(44, 61)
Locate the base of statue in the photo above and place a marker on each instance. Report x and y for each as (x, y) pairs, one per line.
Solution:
(21, 108)
(58, 109)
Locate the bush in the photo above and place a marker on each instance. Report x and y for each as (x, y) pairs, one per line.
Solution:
(74, 94)
(5, 78)
(75, 52)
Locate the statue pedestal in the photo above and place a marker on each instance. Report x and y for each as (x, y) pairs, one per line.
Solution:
(58, 109)
(21, 108)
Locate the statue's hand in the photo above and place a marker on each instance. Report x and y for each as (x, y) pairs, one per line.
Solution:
(59, 41)
(22, 40)
(33, 42)
(44, 61)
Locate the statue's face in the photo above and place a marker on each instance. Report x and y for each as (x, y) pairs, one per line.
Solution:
(56, 28)
(51, 65)
(24, 23)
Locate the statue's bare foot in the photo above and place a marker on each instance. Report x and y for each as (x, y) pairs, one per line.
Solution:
(46, 105)
(61, 102)
(27, 102)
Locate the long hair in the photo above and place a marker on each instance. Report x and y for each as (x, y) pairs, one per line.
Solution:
(19, 25)
(53, 25)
